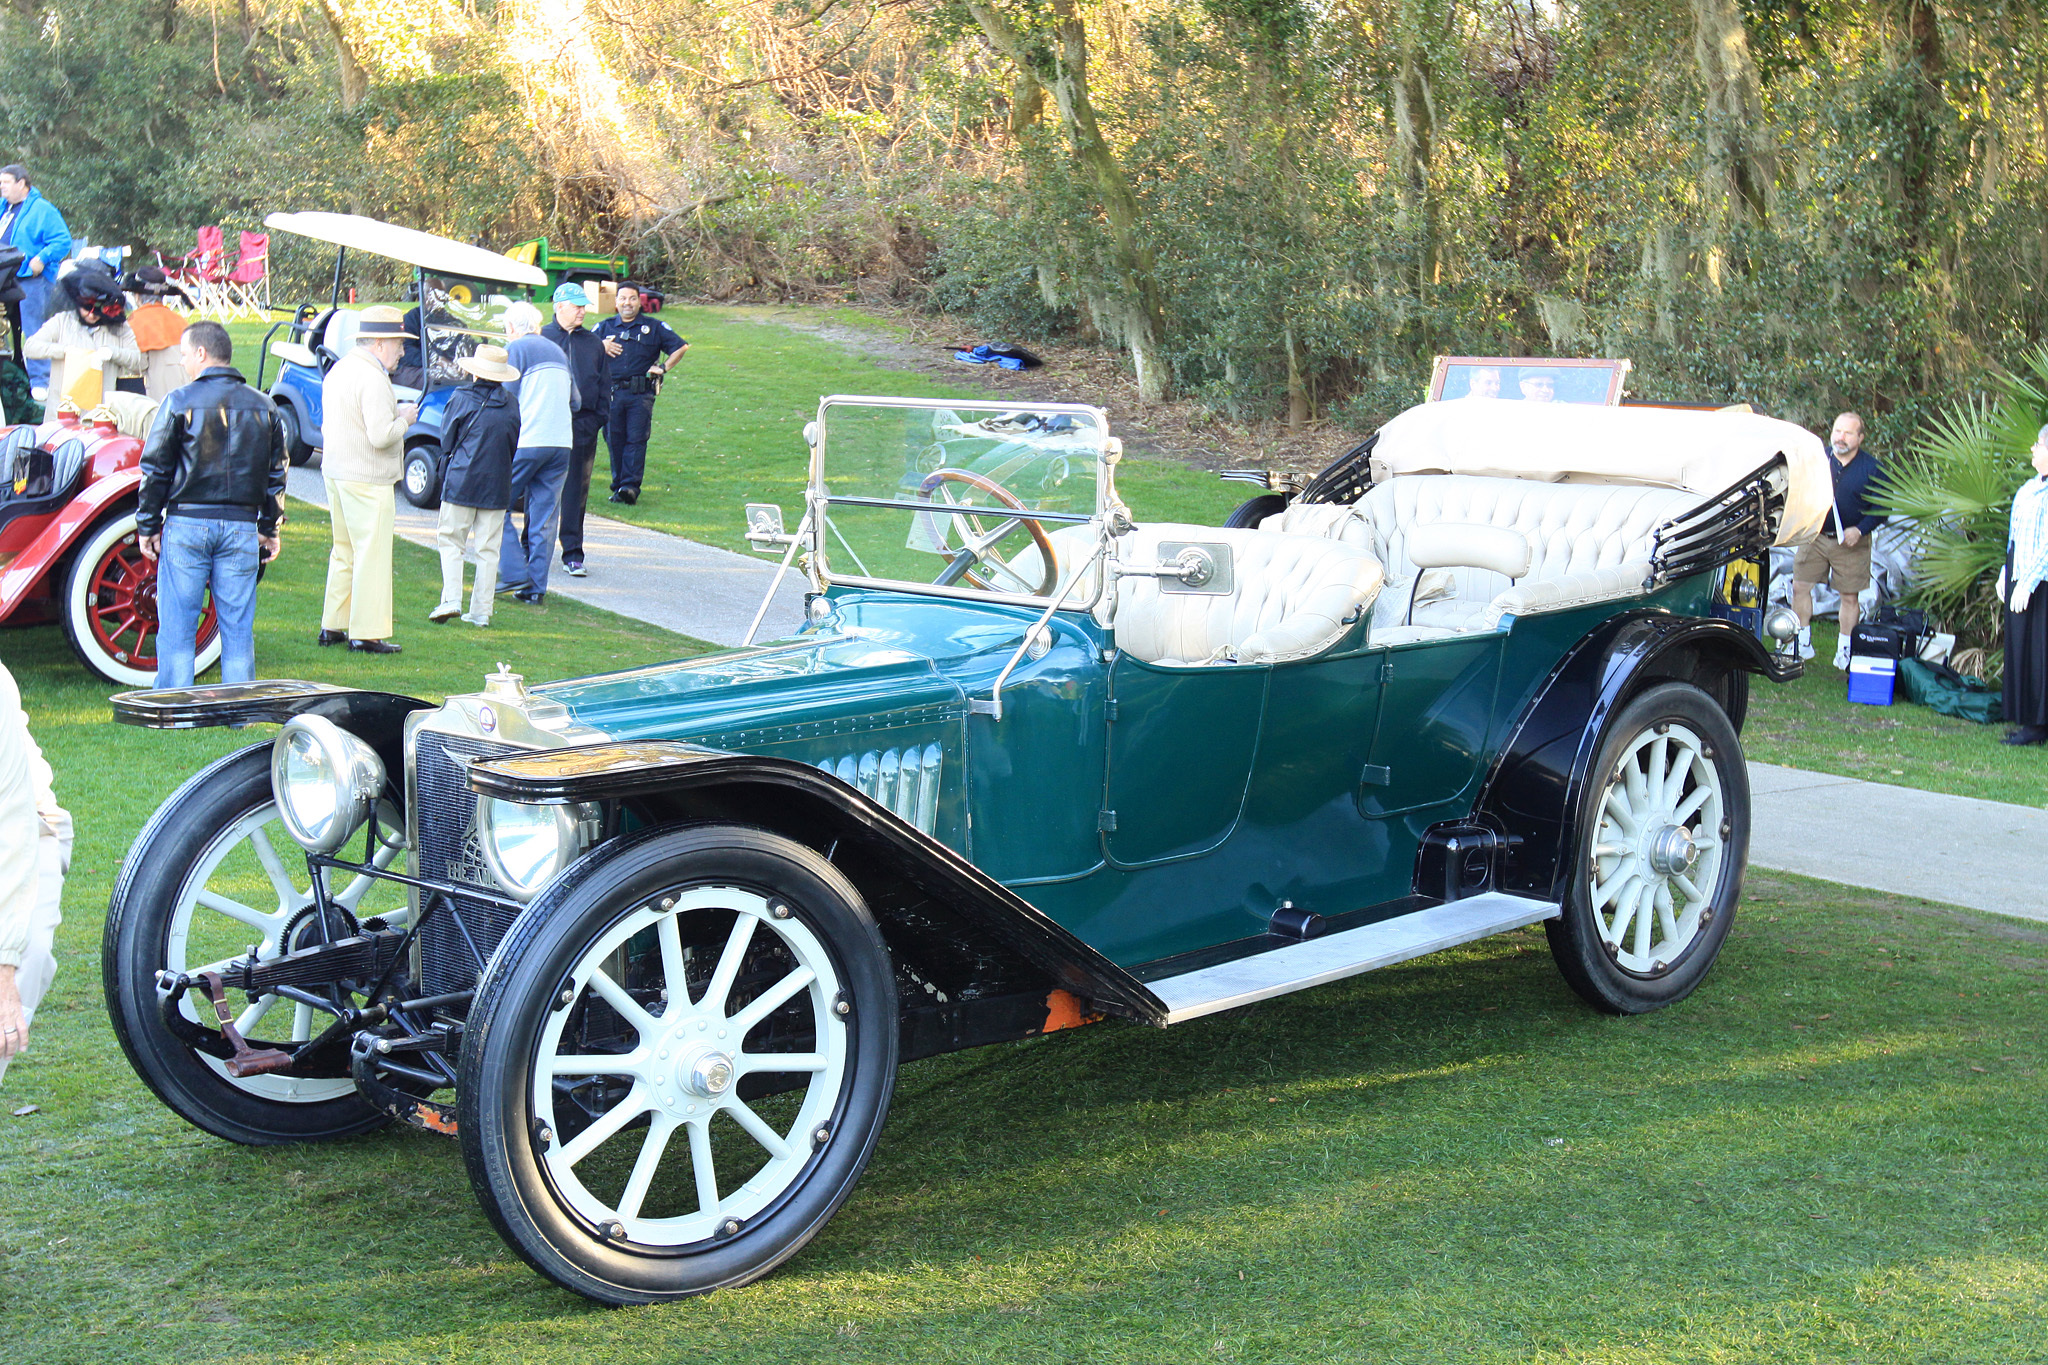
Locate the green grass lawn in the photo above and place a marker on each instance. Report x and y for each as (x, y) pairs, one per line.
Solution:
(1832, 1153)
(1810, 723)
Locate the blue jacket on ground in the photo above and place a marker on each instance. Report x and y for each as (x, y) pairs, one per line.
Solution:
(547, 394)
(39, 231)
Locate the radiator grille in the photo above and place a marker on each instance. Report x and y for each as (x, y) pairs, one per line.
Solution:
(905, 780)
(448, 849)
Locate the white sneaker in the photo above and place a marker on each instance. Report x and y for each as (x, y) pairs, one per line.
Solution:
(476, 620)
(1842, 655)
(1806, 643)
(444, 610)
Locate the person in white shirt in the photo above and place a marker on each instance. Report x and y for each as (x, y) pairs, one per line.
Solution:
(35, 853)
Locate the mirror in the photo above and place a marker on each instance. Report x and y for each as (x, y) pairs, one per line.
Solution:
(764, 528)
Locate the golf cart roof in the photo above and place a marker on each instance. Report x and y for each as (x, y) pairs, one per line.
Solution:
(422, 249)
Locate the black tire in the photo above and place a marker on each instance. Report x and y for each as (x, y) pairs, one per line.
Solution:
(421, 483)
(1252, 511)
(108, 607)
(157, 879)
(1626, 963)
(294, 434)
(702, 880)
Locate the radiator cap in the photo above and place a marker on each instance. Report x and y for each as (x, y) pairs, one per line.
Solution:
(505, 685)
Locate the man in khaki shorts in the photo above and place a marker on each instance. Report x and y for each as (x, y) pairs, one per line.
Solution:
(1840, 555)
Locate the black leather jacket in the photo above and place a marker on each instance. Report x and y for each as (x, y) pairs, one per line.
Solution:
(217, 450)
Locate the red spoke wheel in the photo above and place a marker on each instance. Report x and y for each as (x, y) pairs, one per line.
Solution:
(110, 613)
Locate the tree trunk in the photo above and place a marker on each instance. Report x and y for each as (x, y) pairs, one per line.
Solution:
(1061, 67)
(1740, 166)
(1414, 141)
(355, 81)
(1923, 150)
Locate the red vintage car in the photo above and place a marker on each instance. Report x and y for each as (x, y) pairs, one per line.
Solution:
(68, 549)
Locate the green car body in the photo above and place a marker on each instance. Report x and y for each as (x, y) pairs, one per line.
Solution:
(957, 811)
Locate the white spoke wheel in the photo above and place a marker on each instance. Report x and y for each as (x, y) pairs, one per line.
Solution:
(212, 874)
(1661, 845)
(678, 1063)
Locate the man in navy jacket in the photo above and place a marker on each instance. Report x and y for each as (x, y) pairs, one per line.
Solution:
(32, 223)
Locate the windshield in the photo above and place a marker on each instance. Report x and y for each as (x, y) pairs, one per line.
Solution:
(995, 500)
(457, 315)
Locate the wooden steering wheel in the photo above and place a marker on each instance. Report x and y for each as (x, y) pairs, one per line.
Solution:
(976, 560)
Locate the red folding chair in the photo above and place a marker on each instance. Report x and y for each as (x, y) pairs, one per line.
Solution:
(247, 286)
(203, 272)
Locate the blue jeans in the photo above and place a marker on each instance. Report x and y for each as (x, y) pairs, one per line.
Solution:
(35, 297)
(526, 555)
(625, 437)
(198, 551)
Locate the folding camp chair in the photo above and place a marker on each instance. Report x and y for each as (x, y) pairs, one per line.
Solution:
(203, 272)
(247, 287)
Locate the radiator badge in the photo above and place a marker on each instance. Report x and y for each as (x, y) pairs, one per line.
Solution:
(468, 863)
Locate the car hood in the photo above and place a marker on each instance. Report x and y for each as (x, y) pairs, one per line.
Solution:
(811, 682)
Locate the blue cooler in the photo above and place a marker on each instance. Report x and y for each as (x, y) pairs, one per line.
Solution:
(1871, 679)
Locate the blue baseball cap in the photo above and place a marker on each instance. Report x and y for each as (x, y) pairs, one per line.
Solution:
(571, 292)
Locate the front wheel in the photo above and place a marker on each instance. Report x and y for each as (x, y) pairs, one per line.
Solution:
(295, 443)
(110, 607)
(678, 1063)
(1663, 840)
(422, 481)
(212, 874)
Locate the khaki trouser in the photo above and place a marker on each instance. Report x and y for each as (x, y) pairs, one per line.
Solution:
(359, 569)
(456, 526)
(39, 964)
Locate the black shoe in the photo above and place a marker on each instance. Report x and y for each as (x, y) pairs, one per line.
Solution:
(628, 496)
(330, 637)
(2026, 734)
(532, 599)
(617, 496)
(375, 647)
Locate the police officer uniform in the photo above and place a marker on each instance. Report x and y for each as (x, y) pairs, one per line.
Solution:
(646, 340)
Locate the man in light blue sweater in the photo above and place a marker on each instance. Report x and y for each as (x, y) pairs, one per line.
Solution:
(547, 397)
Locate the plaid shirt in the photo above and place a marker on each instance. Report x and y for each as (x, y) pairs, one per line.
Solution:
(2028, 537)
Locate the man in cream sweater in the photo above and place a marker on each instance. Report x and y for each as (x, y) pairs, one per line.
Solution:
(35, 852)
(363, 426)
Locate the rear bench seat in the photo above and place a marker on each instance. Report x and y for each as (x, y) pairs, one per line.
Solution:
(1587, 543)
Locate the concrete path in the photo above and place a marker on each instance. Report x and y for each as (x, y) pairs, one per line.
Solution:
(1987, 855)
(649, 576)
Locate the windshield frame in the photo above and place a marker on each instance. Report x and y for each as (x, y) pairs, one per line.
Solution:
(818, 502)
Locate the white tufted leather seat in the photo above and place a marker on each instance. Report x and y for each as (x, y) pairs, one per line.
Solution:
(1292, 597)
(1589, 543)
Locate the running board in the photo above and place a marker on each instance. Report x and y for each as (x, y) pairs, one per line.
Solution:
(1301, 965)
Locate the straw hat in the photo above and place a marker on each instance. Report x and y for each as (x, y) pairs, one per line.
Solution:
(382, 323)
(489, 363)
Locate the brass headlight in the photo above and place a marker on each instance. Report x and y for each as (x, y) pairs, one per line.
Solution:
(325, 781)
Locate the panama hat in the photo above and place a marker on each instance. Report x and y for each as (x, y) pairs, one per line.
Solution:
(383, 323)
(489, 363)
(571, 292)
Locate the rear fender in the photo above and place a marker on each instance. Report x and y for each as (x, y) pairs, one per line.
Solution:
(1537, 785)
(376, 718)
(97, 500)
(963, 934)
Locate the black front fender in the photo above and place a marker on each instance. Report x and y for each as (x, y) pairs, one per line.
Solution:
(376, 718)
(1537, 785)
(929, 898)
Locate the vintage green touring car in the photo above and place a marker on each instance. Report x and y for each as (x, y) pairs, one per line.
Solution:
(653, 943)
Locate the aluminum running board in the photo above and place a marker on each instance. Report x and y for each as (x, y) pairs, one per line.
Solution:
(1301, 965)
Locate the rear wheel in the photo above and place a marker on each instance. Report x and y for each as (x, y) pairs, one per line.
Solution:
(1249, 513)
(422, 481)
(678, 1063)
(110, 614)
(1663, 842)
(294, 433)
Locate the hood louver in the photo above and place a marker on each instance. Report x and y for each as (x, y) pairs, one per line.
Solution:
(905, 780)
